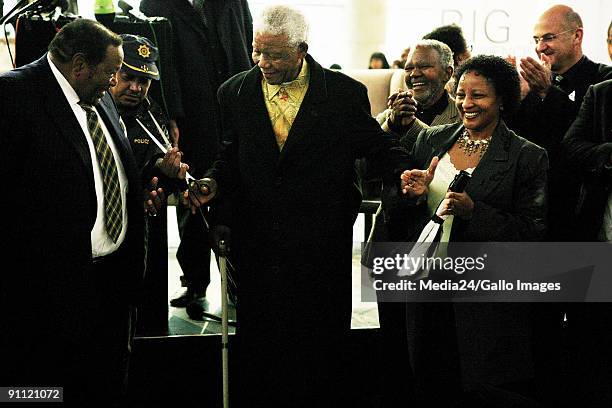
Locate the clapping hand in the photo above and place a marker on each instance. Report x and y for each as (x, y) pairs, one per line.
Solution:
(536, 74)
(403, 109)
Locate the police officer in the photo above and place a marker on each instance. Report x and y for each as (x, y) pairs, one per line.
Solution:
(146, 128)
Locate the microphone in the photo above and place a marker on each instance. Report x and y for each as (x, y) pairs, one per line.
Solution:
(39, 6)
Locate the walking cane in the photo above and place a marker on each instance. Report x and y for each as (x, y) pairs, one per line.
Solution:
(223, 250)
(223, 264)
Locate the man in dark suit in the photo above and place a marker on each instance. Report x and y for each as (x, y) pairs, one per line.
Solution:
(552, 88)
(588, 145)
(78, 249)
(288, 178)
(211, 42)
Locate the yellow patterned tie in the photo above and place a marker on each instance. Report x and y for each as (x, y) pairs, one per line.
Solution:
(110, 179)
(282, 124)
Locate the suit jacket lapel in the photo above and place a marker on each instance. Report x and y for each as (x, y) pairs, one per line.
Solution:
(251, 105)
(307, 118)
(444, 145)
(449, 115)
(191, 17)
(492, 166)
(62, 115)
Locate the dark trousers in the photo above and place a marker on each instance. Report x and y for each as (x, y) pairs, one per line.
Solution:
(91, 363)
(153, 304)
(193, 254)
(589, 328)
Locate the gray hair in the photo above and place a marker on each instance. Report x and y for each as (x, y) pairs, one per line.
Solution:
(445, 55)
(281, 19)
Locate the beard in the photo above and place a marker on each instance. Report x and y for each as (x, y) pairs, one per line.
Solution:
(427, 97)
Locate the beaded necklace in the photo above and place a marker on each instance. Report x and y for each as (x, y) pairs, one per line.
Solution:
(470, 146)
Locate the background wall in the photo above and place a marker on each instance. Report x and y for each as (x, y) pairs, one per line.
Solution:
(348, 31)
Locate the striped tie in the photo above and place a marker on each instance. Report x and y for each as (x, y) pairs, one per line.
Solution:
(110, 179)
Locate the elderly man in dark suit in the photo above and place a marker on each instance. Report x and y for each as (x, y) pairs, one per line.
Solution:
(288, 173)
(211, 42)
(78, 249)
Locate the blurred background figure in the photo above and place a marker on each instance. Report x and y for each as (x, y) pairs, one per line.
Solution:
(404, 57)
(335, 66)
(452, 35)
(400, 63)
(378, 61)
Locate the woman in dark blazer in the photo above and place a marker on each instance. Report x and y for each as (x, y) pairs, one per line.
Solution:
(466, 354)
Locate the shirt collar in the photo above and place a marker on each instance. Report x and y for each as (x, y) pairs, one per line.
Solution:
(570, 74)
(69, 92)
(427, 115)
(291, 87)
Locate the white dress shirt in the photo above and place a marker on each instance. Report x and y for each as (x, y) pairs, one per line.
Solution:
(101, 243)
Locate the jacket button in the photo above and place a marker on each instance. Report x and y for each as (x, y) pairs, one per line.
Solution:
(276, 226)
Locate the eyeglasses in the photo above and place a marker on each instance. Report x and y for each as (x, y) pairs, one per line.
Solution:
(546, 38)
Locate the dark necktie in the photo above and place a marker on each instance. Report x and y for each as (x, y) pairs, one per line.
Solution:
(110, 179)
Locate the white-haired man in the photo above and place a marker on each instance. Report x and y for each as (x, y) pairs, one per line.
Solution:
(428, 68)
(294, 131)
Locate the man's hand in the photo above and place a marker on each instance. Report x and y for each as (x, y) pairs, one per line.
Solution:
(403, 108)
(174, 132)
(415, 182)
(200, 193)
(458, 204)
(537, 75)
(524, 85)
(171, 165)
(154, 198)
(393, 97)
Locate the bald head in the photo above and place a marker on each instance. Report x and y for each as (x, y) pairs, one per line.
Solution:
(559, 30)
(563, 14)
